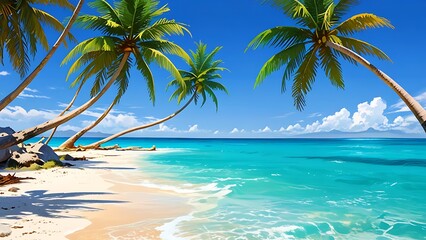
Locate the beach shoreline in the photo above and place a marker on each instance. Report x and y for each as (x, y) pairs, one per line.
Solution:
(96, 199)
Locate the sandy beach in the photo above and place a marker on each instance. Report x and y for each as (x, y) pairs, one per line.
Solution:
(95, 199)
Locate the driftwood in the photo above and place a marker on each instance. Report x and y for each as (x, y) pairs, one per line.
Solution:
(153, 148)
(11, 179)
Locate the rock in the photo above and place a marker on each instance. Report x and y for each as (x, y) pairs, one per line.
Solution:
(13, 189)
(5, 153)
(43, 151)
(18, 160)
(66, 157)
(5, 230)
(6, 130)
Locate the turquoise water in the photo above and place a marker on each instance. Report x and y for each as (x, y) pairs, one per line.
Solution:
(292, 189)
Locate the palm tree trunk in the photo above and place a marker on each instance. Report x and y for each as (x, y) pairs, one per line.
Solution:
(15, 93)
(64, 111)
(412, 104)
(19, 137)
(70, 142)
(99, 143)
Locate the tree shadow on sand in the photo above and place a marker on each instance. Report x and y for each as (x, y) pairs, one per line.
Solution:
(51, 205)
(94, 164)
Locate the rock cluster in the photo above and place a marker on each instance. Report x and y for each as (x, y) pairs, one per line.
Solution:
(24, 155)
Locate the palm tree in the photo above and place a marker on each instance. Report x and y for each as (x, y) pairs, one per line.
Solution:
(23, 23)
(70, 142)
(68, 107)
(323, 37)
(200, 81)
(149, 48)
(130, 30)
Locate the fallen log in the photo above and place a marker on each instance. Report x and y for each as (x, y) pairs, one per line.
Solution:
(11, 179)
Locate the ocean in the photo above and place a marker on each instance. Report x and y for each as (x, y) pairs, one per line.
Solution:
(290, 188)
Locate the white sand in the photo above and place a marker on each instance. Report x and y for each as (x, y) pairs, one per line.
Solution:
(96, 199)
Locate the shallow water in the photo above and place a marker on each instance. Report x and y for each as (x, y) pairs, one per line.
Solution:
(292, 189)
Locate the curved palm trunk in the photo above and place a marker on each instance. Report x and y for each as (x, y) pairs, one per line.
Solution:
(412, 104)
(18, 137)
(15, 93)
(64, 111)
(99, 143)
(70, 142)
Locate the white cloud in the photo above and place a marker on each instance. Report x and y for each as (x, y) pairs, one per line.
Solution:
(113, 122)
(402, 107)
(164, 128)
(368, 115)
(292, 129)
(216, 132)
(313, 115)
(193, 128)
(18, 118)
(235, 130)
(264, 130)
(4, 73)
(30, 93)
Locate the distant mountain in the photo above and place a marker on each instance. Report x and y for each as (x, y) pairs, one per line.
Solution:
(70, 133)
(369, 133)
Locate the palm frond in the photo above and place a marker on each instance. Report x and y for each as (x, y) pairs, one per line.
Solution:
(162, 61)
(362, 22)
(143, 67)
(162, 27)
(278, 60)
(363, 48)
(342, 7)
(166, 47)
(280, 37)
(332, 67)
(304, 78)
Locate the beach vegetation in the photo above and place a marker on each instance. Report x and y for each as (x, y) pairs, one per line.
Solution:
(200, 82)
(133, 34)
(22, 33)
(321, 38)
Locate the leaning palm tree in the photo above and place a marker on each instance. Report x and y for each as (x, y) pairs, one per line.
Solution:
(66, 109)
(70, 142)
(150, 51)
(132, 34)
(22, 31)
(200, 81)
(323, 37)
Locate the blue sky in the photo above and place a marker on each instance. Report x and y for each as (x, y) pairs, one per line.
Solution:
(365, 103)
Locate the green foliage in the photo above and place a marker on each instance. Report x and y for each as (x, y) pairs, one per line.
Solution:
(128, 26)
(22, 30)
(33, 167)
(304, 49)
(200, 78)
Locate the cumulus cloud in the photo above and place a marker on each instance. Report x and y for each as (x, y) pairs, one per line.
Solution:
(193, 128)
(4, 73)
(113, 122)
(31, 93)
(264, 130)
(164, 128)
(368, 115)
(402, 107)
(235, 130)
(19, 118)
